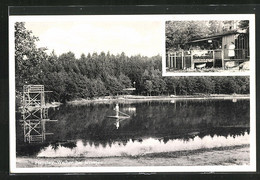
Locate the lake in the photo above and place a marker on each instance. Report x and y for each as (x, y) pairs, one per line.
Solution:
(153, 129)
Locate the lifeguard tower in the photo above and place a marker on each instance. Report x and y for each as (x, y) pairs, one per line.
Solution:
(34, 113)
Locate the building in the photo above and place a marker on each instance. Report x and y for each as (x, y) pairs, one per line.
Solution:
(211, 51)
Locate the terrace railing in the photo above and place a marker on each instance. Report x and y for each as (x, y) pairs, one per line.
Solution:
(189, 59)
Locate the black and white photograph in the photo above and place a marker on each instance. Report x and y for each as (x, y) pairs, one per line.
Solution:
(89, 94)
(208, 46)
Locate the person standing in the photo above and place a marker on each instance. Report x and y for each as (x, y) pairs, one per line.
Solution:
(117, 110)
(231, 50)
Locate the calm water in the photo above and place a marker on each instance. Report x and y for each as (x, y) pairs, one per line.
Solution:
(153, 126)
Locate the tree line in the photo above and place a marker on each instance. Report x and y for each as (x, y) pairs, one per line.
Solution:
(181, 32)
(102, 74)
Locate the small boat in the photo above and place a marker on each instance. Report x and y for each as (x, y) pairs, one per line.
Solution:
(118, 117)
(201, 66)
(119, 114)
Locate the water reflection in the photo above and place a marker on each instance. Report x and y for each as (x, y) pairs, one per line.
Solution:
(165, 121)
(117, 122)
(147, 146)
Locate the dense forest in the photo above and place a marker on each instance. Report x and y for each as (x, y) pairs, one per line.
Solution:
(95, 75)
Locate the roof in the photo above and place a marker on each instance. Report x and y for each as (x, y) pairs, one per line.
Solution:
(239, 31)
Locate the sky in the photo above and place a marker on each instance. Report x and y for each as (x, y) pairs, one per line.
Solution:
(131, 37)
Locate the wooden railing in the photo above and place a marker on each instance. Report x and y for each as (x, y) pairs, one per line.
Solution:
(188, 59)
(33, 88)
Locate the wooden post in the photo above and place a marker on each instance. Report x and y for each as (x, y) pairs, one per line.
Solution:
(213, 56)
(29, 131)
(169, 61)
(191, 60)
(184, 60)
(222, 57)
(175, 60)
(24, 104)
(182, 57)
(24, 132)
(43, 130)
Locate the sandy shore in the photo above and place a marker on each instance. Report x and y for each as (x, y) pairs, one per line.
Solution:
(223, 156)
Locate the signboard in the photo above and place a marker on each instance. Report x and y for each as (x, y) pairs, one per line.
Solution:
(202, 60)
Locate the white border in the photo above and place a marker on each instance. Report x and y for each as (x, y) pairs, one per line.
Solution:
(162, 18)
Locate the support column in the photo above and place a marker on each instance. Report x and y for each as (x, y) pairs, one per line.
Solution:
(175, 60)
(43, 130)
(182, 59)
(191, 59)
(222, 57)
(213, 56)
(24, 131)
(29, 135)
(170, 61)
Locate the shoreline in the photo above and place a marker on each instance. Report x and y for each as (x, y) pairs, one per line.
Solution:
(225, 156)
(135, 98)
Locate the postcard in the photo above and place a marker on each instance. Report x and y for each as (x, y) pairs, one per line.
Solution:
(132, 93)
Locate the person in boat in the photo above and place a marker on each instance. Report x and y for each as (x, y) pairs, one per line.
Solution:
(117, 109)
(117, 117)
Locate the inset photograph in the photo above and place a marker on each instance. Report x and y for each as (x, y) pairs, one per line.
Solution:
(207, 46)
